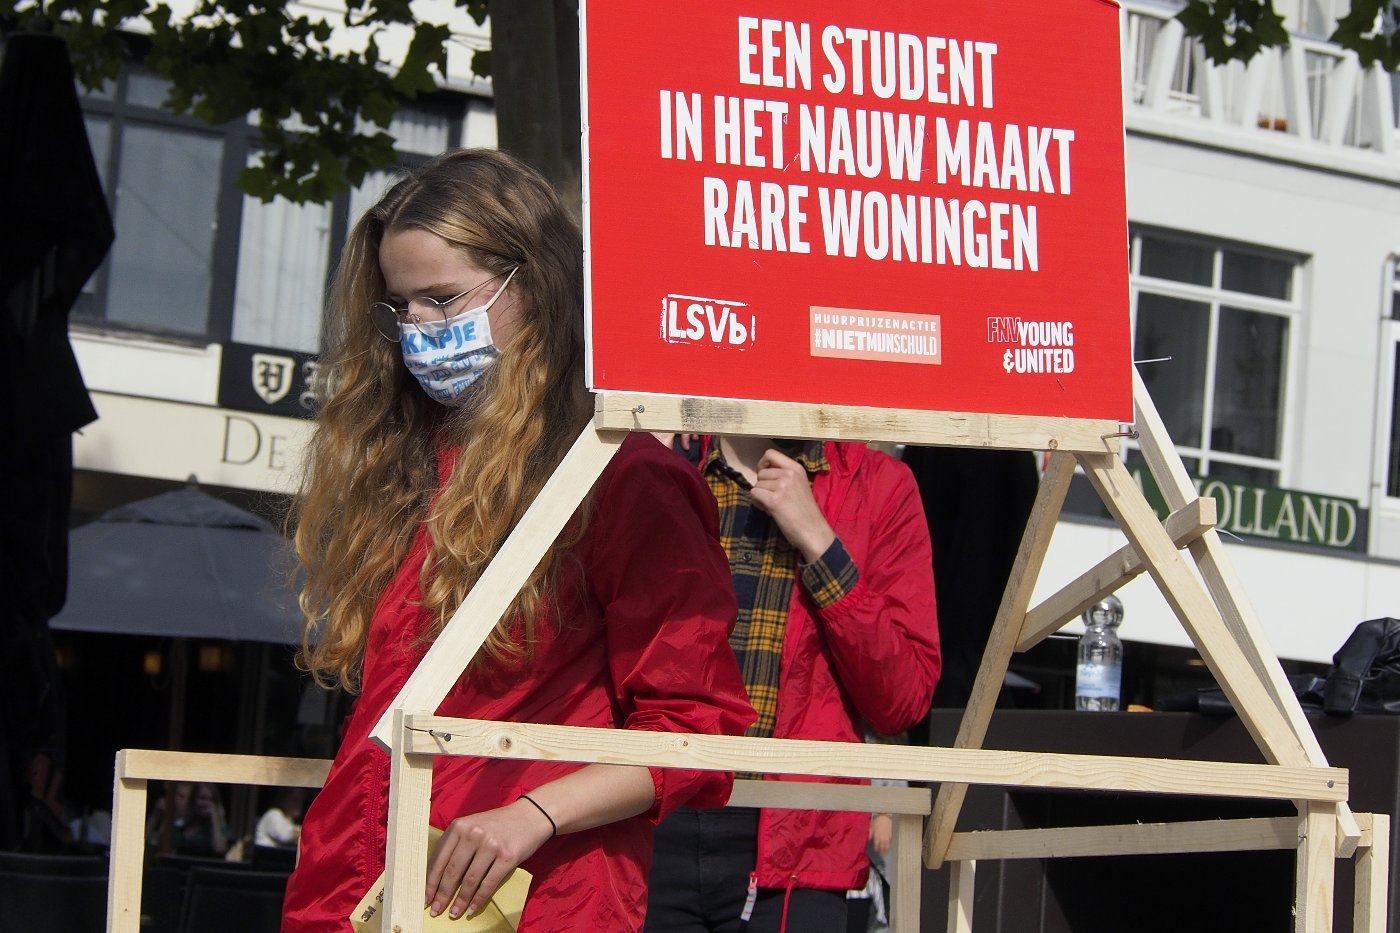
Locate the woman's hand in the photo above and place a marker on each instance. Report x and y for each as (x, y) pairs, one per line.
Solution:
(477, 853)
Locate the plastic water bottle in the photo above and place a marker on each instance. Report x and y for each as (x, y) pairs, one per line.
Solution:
(1099, 677)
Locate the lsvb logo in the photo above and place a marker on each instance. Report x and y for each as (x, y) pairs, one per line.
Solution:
(688, 319)
(272, 376)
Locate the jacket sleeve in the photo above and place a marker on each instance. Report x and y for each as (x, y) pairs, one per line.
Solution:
(663, 582)
(883, 633)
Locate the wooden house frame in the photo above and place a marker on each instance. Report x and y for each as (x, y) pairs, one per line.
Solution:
(1215, 615)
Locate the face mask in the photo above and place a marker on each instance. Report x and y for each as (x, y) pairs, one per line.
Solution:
(447, 362)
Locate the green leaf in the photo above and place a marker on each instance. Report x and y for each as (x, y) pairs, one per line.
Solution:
(1369, 29)
(1234, 30)
(428, 50)
(226, 59)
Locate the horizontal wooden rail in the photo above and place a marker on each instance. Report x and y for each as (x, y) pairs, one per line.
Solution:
(441, 735)
(626, 411)
(1131, 839)
(261, 770)
(858, 798)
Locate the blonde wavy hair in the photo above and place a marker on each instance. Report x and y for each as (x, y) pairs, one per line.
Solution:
(371, 475)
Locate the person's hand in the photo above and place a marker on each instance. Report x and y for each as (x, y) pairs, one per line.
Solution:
(784, 492)
(476, 853)
(881, 832)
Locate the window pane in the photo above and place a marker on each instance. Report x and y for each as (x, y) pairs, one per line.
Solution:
(99, 133)
(165, 230)
(1175, 328)
(1239, 473)
(1248, 382)
(283, 252)
(1257, 275)
(1392, 482)
(146, 90)
(1180, 262)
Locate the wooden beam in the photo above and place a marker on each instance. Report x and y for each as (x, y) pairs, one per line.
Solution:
(1131, 839)
(1364, 822)
(1315, 878)
(804, 795)
(406, 861)
(1110, 574)
(1371, 896)
(498, 585)
(260, 770)
(1228, 660)
(1001, 642)
(444, 736)
(1349, 834)
(127, 852)
(626, 411)
(962, 878)
(906, 873)
(1218, 574)
(1225, 588)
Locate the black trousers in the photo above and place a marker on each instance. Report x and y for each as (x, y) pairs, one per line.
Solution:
(700, 878)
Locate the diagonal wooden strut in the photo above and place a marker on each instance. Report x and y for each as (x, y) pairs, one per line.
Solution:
(1110, 574)
(1209, 554)
(1228, 660)
(1208, 551)
(1005, 630)
(509, 569)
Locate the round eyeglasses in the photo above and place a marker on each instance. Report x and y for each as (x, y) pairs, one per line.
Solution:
(426, 315)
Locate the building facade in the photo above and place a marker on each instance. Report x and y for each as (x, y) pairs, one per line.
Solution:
(1264, 208)
(198, 335)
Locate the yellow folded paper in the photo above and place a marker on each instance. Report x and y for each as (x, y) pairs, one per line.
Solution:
(502, 914)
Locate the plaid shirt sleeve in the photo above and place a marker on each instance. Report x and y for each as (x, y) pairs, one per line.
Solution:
(831, 576)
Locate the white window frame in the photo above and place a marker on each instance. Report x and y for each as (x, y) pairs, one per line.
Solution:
(1214, 296)
(1387, 374)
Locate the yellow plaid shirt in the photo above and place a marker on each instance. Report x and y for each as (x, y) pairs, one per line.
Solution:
(765, 568)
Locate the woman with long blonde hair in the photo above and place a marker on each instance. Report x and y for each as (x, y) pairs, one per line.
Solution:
(455, 386)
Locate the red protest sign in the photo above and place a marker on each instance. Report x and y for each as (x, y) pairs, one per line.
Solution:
(900, 205)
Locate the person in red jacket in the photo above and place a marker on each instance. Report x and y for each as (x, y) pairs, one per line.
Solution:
(456, 386)
(829, 552)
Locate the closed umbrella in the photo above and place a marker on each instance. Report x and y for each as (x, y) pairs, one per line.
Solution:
(57, 230)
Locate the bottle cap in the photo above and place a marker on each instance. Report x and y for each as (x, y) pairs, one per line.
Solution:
(1107, 611)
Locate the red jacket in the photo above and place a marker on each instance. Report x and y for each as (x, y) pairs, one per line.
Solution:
(643, 644)
(870, 657)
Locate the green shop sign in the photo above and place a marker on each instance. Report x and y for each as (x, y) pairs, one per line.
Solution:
(1268, 513)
